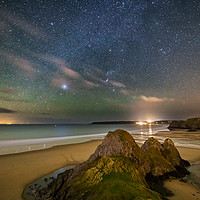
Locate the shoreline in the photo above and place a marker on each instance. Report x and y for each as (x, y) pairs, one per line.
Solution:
(22, 169)
(47, 143)
(44, 143)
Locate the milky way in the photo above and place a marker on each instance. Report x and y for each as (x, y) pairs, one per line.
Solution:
(78, 61)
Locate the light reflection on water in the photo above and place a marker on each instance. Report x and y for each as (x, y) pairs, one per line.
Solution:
(147, 129)
(150, 130)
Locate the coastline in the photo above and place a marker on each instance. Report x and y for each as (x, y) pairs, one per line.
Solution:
(23, 168)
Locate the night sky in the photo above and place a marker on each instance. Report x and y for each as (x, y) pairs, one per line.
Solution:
(80, 61)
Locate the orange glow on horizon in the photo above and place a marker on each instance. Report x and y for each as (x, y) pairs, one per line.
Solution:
(7, 121)
(141, 123)
(147, 122)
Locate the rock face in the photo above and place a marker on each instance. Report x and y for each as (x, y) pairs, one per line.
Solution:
(121, 143)
(191, 124)
(177, 125)
(117, 170)
(164, 158)
(159, 165)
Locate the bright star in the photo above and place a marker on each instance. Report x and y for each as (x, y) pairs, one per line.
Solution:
(64, 86)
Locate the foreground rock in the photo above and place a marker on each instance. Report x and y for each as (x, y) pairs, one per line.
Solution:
(192, 124)
(118, 169)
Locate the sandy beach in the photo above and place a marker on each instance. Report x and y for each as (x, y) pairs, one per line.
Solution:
(19, 170)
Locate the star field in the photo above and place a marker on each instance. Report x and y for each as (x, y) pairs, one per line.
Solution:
(79, 61)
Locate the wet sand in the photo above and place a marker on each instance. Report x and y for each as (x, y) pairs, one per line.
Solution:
(182, 191)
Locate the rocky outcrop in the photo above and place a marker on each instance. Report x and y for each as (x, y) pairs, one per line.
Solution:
(118, 169)
(177, 125)
(54, 187)
(164, 158)
(172, 155)
(159, 165)
(191, 124)
(121, 143)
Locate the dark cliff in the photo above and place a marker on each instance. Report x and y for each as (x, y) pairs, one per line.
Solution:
(191, 124)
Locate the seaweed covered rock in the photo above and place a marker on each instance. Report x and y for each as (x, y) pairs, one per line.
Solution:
(118, 169)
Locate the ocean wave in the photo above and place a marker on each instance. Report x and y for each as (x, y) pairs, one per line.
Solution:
(45, 140)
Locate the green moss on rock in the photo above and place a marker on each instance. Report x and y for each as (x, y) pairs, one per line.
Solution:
(112, 178)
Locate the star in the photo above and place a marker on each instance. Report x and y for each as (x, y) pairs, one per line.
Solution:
(64, 86)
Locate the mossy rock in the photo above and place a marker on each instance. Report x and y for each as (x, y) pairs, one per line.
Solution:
(121, 187)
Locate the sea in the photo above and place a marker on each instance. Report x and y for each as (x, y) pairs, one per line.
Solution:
(23, 138)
